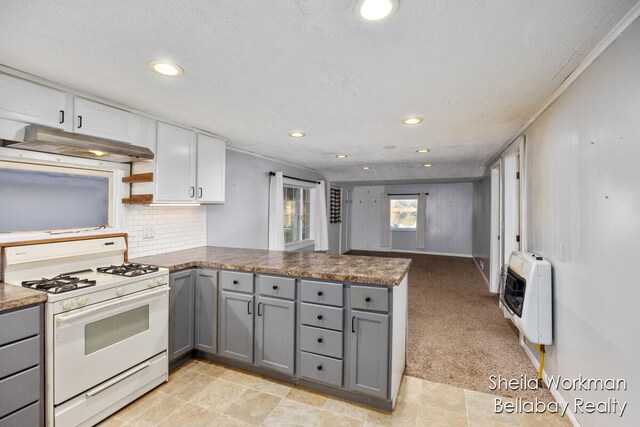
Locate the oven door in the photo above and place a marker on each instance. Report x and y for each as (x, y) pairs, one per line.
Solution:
(96, 343)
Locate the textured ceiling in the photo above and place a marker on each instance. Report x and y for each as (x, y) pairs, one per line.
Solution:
(254, 70)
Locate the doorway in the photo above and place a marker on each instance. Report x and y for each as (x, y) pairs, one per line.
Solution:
(496, 259)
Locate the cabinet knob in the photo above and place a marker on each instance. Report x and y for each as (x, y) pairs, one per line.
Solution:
(319, 367)
(319, 293)
(319, 316)
(235, 282)
(368, 299)
(320, 339)
(275, 286)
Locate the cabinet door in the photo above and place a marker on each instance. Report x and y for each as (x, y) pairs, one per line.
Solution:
(175, 164)
(275, 323)
(369, 362)
(181, 317)
(95, 119)
(32, 103)
(235, 325)
(210, 169)
(206, 317)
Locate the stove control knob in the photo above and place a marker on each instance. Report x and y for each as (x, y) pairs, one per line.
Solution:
(82, 301)
(162, 280)
(67, 305)
(152, 283)
(120, 291)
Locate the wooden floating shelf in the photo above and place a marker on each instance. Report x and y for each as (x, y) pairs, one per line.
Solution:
(139, 177)
(138, 199)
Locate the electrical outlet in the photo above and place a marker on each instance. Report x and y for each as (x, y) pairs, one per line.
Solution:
(148, 232)
(563, 252)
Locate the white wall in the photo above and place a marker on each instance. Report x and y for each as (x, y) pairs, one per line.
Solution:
(583, 191)
(158, 229)
(449, 216)
(482, 223)
(243, 221)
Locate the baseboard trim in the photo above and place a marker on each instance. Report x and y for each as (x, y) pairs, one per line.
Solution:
(475, 261)
(406, 251)
(554, 392)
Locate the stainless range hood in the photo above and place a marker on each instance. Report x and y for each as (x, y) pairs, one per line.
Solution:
(51, 140)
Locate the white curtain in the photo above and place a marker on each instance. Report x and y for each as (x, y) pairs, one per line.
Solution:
(385, 227)
(421, 221)
(276, 213)
(321, 232)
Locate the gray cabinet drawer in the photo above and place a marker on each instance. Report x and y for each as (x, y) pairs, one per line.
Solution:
(320, 368)
(19, 390)
(321, 341)
(234, 281)
(321, 316)
(19, 324)
(29, 416)
(321, 292)
(280, 287)
(19, 356)
(370, 298)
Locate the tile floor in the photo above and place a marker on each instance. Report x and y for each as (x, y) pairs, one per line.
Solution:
(201, 393)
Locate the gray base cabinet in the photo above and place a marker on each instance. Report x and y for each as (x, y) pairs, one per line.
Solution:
(236, 326)
(275, 334)
(369, 345)
(206, 315)
(21, 370)
(181, 313)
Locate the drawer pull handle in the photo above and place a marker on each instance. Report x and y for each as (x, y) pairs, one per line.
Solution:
(235, 282)
(368, 299)
(319, 316)
(319, 367)
(275, 287)
(61, 116)
(353, 324)
(319, 293)
(320, 339)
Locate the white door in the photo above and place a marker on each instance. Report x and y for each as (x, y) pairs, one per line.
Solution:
(32, 103)
(95, 119)
(175, 164)
(360, 218)
(210, 170)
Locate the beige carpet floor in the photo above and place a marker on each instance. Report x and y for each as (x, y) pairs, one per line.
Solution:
(457, 333)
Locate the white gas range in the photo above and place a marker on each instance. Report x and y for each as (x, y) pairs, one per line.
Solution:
(106, 324)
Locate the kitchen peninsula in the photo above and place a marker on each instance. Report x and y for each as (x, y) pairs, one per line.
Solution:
(334, 323)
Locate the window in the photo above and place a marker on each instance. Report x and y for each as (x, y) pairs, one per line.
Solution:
(404, 214)
(297, 214)
(47, 198)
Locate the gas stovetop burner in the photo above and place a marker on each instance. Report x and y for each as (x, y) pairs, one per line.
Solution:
(61, 283)
(128, 269)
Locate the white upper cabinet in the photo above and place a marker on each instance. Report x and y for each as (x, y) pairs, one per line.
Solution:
(96, 119)
(175, 164)
(210, 170)
(32, 103)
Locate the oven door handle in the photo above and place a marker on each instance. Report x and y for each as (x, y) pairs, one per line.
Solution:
(62, 318)
(117, 379)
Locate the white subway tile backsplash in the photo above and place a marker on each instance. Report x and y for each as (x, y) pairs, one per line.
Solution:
(173, 228)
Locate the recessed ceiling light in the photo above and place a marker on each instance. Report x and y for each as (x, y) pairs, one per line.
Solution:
(365, 168)
(296, 134)
(341, 156)
(412, 120)
(166, 68)
(423, 150)
(376, 10)
(97, 153)
(427, 165)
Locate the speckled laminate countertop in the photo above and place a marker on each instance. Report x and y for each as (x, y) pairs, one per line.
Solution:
(341, 268)
(12, 296)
